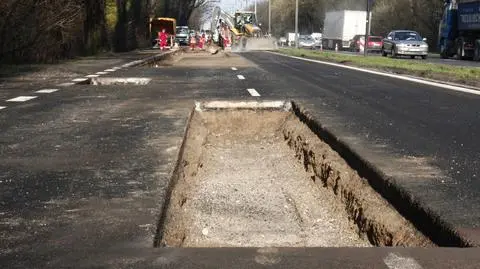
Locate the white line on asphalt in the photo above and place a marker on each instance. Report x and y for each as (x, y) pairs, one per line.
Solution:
(109, 70)
(417, 80)
(92, 76)
(101, 73)
(2, 107)
(240, 77)
(66, 84)
(394, 261)
(253, 92)
(79, 79)
(234, 69)
(47, 90)
(117, 68)
(21, 98)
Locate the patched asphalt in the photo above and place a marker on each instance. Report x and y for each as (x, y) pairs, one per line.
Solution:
(84, 170)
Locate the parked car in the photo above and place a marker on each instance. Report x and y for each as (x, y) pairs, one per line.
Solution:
(405, 42)
(182, 36)
(374, 43)
(306, 41)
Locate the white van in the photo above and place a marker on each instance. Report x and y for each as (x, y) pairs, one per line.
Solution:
(318, 39)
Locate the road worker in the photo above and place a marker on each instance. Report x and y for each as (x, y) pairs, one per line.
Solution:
(193, 42)
(201, 42)
(162, 39)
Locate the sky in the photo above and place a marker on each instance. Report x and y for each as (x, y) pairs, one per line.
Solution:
(230, 4)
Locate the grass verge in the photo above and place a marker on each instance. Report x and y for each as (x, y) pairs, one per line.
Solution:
(448, 73)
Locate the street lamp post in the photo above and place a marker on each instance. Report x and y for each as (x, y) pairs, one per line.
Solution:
(367, 28)
(255, 8)
(269, 18)
(296, 24)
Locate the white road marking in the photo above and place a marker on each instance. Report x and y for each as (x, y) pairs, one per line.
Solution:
(234, 69)
(21, 98)
(92, 76)
(253, 92)
(240, 77)
(417, 80)
(47, 90)
(2, 107)
(101, 73)
(117, 68)
(79, 79)
(66, 84)
(395, 261)
(109, 70)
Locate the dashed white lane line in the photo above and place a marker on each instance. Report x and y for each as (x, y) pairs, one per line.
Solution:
(109, 70)
(417, 80)
(21, 98)
(66, 84)
(395, 261)
(234, 69)
(253, 92)
(240, 77)
(101, 73)
(47, 90)
(2, 107)
(92, 76)
(117, 68)
(79, 79)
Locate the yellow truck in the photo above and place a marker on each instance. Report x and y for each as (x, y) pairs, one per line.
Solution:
(156, 26)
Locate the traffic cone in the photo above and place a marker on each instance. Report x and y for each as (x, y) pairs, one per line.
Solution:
(336, 47)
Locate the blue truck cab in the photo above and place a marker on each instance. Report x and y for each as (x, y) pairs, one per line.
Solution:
(459, 31)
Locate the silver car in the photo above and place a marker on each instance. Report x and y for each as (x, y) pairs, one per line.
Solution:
(405, 43)
(306, 42)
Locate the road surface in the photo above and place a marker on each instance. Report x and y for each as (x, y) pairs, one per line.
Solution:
(85, 169)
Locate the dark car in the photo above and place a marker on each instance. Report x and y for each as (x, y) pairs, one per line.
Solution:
(374, 43)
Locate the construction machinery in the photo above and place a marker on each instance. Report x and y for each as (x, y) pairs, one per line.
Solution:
(244, 30)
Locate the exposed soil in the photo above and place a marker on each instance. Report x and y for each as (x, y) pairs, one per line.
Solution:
(258, 178)
(203, 59)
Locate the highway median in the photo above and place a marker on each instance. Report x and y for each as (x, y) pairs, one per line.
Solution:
(447, 73)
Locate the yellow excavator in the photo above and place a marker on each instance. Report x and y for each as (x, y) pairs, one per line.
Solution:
(245, 31)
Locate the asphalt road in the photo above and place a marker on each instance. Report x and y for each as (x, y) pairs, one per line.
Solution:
(431, 130)
(84, 170)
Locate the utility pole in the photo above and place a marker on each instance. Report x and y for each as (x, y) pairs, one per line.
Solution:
(367, 28)
(255, 8)
(269, 18)
(296, 24)
(370, 22)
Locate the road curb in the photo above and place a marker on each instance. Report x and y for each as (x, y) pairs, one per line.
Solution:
(140, 62)
(154, 58)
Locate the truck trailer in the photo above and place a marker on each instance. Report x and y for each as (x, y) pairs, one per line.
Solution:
(459, 31)
(340, 27)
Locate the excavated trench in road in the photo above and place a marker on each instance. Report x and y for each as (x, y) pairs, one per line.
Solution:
(257, 176)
